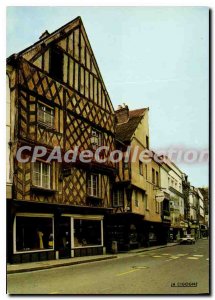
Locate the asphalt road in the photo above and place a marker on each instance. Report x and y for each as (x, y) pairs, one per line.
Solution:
(159, 271)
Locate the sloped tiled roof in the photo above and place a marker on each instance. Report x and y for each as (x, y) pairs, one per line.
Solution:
(124, 131)
(137, 112)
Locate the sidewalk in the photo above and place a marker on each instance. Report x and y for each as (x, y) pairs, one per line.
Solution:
(42, 265)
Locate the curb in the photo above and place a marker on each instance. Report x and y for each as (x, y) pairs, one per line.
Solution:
(159, 247)
(60, 265)
(64, 264)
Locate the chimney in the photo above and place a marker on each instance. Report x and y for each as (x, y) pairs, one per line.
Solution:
(44, 35)
(122, 113)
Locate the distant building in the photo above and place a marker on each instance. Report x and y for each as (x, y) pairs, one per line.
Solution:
(178, 221)
(194, 212)
(205, 193)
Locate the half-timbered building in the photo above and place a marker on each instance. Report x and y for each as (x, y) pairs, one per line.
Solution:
(56, 98)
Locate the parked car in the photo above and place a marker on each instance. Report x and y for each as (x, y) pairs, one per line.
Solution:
(188, 239)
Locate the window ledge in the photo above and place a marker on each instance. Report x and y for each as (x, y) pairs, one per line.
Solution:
(42, 189)
(44, 125)
(94, 197)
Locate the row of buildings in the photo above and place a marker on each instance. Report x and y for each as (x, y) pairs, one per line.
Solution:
(56, 97)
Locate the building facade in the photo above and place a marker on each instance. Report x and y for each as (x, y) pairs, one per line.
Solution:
(137, 216)
(57, 99)
(201, 215)
(178, 221)
(194, 212)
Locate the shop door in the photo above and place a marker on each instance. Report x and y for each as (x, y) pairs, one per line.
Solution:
(65, 237)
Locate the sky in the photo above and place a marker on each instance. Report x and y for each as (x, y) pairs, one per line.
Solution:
(156, 57)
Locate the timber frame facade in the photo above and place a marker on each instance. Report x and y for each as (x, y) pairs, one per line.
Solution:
(58, 98)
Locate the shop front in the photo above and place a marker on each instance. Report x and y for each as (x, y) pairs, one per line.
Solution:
(33, 237)
(126, 229)
(39, 232)
(81, 235)
(194, 230)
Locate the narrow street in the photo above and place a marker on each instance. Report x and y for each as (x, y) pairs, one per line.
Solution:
(153, 272)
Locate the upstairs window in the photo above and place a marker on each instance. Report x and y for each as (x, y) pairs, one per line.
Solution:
(136, 199)
(45, 115)
(153, 176)
(41, 175)
(140, 168)
(96, 138)
(118, 198)
(56, 64)
(147, 142)
(157, 178)
(157, 207)
(93, 185)
(146, 175)
(125, 165)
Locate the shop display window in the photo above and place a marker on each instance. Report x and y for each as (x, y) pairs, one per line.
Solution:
(34, 233)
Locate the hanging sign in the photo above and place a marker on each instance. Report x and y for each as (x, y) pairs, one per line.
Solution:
(159, 196)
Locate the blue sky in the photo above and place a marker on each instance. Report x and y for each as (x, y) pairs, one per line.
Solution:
(149, 57)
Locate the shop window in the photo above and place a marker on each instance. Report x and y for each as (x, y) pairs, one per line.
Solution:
(87, 233)
(45, 115)
(118, 198)
(34, 233)
(93, 185)
(41, 174)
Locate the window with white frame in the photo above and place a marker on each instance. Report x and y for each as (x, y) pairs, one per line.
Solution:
(87, 233)
(41, 174)
(118, 198)
(45, 115)
(93, 185)
(96, 138)
(157, 206)
(136, 199)
(33, 233)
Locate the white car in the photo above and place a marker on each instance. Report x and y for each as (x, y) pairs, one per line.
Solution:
(188, 239)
